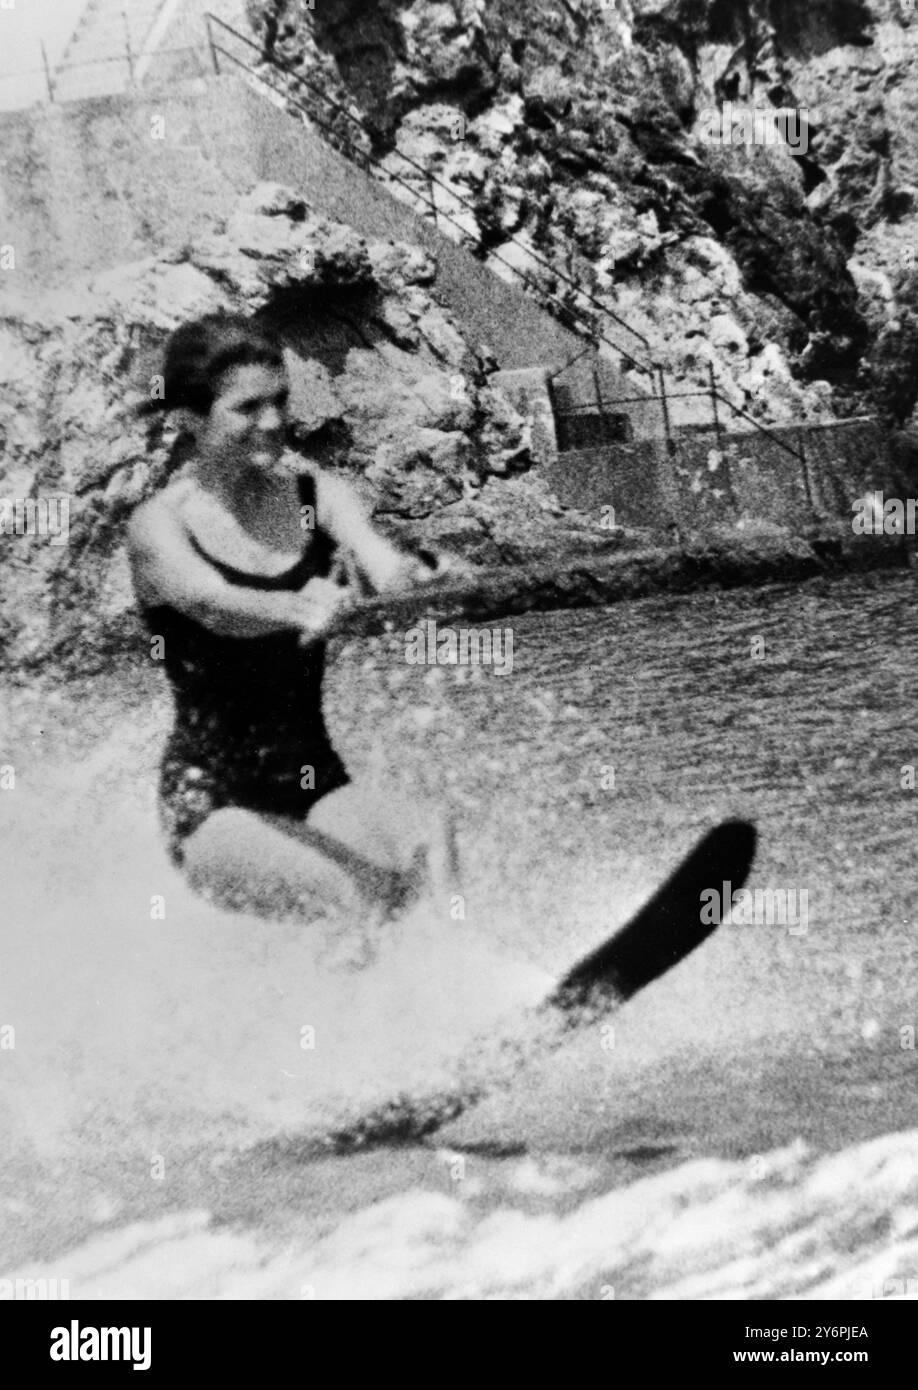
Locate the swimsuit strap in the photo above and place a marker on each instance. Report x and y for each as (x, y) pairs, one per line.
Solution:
(314, 563)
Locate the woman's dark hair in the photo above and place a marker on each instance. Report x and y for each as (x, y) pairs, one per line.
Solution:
(199, 353)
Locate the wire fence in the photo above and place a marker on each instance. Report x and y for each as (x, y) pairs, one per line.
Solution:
(119, 45)
(41, 86)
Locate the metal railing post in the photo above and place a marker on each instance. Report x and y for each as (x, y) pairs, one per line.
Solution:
(212, 45)
(600, 403)
(813, 498)
(720, 447)
(127, 46)
(47, 68)
(671, 448)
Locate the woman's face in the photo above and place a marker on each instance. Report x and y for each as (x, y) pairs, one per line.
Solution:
(245, 427)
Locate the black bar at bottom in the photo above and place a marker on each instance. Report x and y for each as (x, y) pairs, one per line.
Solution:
(739, 1338)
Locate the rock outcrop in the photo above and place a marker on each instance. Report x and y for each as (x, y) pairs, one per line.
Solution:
(383, 387)
(572, 142)
(584, 133)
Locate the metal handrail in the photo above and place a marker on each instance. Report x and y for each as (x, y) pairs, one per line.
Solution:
(565, 310)
(429, 178)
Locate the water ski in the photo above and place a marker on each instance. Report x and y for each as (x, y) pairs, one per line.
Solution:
(666, 930)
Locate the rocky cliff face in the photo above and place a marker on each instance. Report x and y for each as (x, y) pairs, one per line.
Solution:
(382, 384)
(582, 131)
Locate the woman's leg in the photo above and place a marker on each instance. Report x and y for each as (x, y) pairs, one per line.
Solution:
(242, 862)
(410, 836)
(357, 847)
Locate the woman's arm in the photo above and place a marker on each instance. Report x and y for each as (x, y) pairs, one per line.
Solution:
(345, 517)
(378, 561)
(167, 569)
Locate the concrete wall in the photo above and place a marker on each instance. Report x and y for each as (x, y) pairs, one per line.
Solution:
(86, 186)
(712, 481)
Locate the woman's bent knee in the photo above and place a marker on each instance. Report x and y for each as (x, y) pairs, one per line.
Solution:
(241, 863)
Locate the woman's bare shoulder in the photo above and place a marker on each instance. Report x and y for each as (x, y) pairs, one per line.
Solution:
(160, 545)
(159, 514)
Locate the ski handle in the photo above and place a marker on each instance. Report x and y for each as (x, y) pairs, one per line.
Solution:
(437, 582)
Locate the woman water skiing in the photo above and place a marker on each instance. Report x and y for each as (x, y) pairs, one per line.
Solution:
(241, 565)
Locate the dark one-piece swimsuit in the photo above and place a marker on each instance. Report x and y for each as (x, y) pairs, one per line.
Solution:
(248, 729)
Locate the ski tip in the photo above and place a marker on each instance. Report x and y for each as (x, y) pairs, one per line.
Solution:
(731, 844)
(667, 928)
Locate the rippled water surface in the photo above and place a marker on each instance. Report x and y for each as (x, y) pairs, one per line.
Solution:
(158, 1070)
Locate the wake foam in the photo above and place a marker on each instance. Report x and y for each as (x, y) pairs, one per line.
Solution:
(786, 1226)
(142, 1011)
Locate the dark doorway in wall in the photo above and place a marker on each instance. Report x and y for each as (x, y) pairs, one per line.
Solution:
(585, 418)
